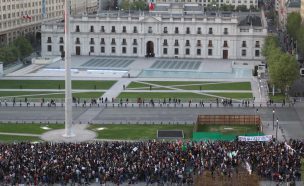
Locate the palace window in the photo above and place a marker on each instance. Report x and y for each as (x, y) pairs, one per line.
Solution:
(124, 29)
(187, 43)
(113, 50)
(210, 43)
(124, 42)
(225, 44)
(187, 51)
(210, 31)
(113, 29)
(134, 50)
(102, 49)
(124, 50)
(209, 52)
(257, 53)
(77, 28)
(243, 52)
(134, 41)
(188, 30)
(199, 30)
(244, 44)
(92, 42)
(198, 52)
(176, 42)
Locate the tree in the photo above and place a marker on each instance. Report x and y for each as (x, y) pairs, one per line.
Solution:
(300, 39)
(136, 5)
(24, 47)
(139, 5)
(8, 54)
(242, 8)
(293, 23)
(125, 4)
(271, 42)
(227, 7)
(284, 72)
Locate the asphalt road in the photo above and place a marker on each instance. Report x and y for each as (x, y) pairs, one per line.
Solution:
(291, 119)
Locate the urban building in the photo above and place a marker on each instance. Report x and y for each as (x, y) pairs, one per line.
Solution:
(81, 6)
(205, 3)
(173, 31)
(19, 17)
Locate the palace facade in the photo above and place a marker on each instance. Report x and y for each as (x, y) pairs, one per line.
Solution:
(174, 32)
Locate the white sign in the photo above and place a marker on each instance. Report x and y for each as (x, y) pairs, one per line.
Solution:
(255, 138)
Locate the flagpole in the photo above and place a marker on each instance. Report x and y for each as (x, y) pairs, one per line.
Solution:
(68, 93)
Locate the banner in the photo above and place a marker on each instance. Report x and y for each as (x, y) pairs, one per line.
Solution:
(255, 138)
(43, 9)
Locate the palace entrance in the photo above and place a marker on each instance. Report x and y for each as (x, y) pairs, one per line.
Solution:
(225, 54)
(78, 50)
(150, 49)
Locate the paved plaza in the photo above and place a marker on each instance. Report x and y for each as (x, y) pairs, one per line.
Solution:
(127, 70)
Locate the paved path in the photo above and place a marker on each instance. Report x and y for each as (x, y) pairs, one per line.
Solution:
(80, 134)
(117, 88)
(19, 134)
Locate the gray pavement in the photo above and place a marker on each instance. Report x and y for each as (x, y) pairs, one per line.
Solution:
(291, 123)
(79, 131)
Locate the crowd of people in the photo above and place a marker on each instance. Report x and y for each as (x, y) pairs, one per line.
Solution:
(145, 162)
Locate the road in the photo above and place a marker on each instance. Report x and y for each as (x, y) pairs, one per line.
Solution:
(291, 119)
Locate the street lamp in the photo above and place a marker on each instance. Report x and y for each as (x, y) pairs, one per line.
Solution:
(277, 129)
(273, 111)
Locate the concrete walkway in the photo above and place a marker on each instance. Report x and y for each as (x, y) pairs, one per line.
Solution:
(117, 88)
(80, 132)
(19, 134)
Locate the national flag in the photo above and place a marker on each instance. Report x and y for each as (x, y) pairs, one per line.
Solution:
(26, 16)
(151, 6)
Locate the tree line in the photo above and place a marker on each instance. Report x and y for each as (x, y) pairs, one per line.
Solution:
(282, 67)
(18, 49)
(296, 30)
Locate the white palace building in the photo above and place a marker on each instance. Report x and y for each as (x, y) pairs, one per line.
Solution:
(170, 31)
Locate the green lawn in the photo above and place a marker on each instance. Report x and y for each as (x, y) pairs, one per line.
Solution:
(162, 83)
(172, 83)
(187, 85)
(234, 95)
(161, 95)
(54, 84)
(181, 95)
(23, 94)
(28, 128)
(277, 97)
(220, 86)
(229, 129)
(11, 139)
(137, 131)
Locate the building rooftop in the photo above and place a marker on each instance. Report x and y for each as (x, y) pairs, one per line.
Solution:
(250, 20)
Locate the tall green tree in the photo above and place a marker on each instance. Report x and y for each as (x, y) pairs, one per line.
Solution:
(24, 47)
(284, 71)
(300, 39)
(270, 43)
(293, 23)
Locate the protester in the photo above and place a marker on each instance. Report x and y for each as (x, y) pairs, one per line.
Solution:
(145, 162)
